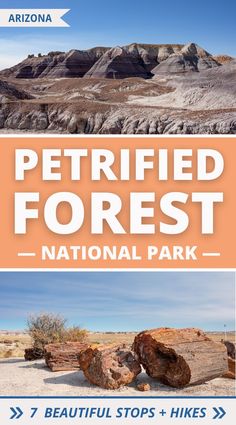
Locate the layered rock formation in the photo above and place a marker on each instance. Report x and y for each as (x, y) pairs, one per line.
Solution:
(109, 366)
(197, 101)
(180, 357)
(117, 120)
(9, 92)
(223, 58)
(63, 356)
(118, 63)
(74, 63)
(211, 89)
(134, 60)
(190, 58)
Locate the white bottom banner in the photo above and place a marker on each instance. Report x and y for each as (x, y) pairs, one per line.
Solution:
(93, 410)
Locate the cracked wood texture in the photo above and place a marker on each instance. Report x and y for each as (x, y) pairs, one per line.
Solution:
(63, 356)
(180, 357)
(109, 366)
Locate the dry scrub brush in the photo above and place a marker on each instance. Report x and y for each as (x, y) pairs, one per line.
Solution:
(47, 328)
(74, 334)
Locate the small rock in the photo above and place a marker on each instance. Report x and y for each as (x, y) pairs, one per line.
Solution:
(143, 386)
(2, 120)
(72, 126)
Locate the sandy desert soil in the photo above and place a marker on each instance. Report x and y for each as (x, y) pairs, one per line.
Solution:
(34, 378)
(13, 344)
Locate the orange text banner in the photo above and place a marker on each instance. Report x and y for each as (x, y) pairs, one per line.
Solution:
(137, 237)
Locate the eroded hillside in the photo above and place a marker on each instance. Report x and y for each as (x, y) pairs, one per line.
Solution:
(135, 89)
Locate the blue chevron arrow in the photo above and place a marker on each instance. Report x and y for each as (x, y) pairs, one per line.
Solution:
(219, 412)
(17, 412)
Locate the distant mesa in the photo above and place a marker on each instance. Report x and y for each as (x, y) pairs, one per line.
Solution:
(133, 60)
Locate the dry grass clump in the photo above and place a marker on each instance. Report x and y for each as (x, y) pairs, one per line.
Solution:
(45, 328)
(13, 350)
(74, 334)
(48, 328)
(7, 354)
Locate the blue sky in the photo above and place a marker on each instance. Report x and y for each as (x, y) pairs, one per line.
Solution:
(125, 301)
(209, 23)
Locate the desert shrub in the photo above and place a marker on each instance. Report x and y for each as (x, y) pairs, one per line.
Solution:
(75, 334)
(55, 53)
(7, 341)
(8, 354)
(46, 328)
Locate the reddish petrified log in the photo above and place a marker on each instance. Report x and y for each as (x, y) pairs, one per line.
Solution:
(34, 354)
(109, 366)
(230, 348)
(231, 359)
(231, 369)
(63, 356)
(180, 357)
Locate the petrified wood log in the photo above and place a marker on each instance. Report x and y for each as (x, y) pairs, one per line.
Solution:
(231, 369)
(179, 357)
(63, 356)
(109, 366)
(230, 348)
(33, 354)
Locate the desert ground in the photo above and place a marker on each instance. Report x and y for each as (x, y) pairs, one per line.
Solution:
(19, 377)
(34, 378)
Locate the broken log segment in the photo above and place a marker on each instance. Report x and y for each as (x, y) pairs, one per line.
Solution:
(230, 348)
(64, 356)
(109, 366)
(180, 357)
(231, 369)
(33, 354)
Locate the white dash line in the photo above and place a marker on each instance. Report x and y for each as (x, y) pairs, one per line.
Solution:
(26, 254)
(211, 254)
